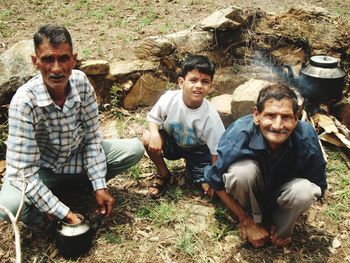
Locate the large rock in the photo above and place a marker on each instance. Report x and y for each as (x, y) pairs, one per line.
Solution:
(192, 41)
(16, 68)
(123, 68)
(223, 19)
(95, 67)
(154, 46)
(245, 96)
(146, 91)
(222, 104)
(226, 80)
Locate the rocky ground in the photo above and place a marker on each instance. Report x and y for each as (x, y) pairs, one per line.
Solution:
(183, 226)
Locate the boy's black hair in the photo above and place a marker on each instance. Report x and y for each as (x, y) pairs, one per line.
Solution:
(55, 34)
(278, 92)
(201, 63)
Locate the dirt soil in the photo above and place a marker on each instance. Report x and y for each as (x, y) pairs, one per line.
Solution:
(183, 226)
(108, 30)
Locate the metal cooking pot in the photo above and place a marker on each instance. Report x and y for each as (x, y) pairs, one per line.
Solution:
(74, 240)
(321, 81)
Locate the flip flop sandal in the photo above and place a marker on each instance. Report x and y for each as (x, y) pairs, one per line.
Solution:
(160, 187)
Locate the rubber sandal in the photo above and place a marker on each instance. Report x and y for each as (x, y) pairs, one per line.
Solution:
(159, 187)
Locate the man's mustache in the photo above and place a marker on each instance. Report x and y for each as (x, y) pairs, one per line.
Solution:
(56, 76)
(278, 131)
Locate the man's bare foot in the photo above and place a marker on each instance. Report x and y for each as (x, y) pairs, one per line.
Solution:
(277, 241)
(254, 233)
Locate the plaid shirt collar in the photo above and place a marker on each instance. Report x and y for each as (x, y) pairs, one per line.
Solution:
(44, 99)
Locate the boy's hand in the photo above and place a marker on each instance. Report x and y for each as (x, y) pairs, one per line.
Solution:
(155, 144)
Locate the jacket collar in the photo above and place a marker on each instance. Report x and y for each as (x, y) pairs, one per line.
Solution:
(257, 141)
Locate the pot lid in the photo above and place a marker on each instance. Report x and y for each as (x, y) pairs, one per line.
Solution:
(323, 67)
(324, 61)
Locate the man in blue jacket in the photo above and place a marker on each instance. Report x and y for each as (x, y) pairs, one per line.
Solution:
(270, 168)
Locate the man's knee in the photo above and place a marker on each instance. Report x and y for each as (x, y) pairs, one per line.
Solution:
(298, 193)
(123, 150)
(10, 198)
(243, 174)
(136, 149)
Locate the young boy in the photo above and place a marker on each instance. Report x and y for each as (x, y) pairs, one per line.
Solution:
(183, 124)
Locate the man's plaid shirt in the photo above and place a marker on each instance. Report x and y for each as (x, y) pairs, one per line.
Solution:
(42, 135)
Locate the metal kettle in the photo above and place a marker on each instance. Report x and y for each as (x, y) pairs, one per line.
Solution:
(321, 81)
(74, 240)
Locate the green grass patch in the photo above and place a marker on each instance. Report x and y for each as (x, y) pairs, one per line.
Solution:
(116, 235)
(335, 211)
(175, 194)
(185, 242)
(113, 238)
(5, 22)
(224, 225)
(135, 172)
(86, 53)
(165, 28)
(343, 12)
(163, 213)
(339, 176)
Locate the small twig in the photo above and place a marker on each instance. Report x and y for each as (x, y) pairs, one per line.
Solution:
(14, 221)
(22, 198)
(325, 156)
(46, 256)
(16, 231)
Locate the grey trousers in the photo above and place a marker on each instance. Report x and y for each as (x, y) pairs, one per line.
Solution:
(120, 154)
(244, 182)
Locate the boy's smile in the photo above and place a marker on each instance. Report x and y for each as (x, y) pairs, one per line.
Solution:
(195, 86)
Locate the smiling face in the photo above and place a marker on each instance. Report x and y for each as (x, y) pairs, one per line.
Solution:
(55, 64)
(276, 121)
(195, 86)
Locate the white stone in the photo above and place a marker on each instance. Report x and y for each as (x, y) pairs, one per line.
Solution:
(245, 96)
(95, 67)
(16, 68)
(222, 104)
(227, 18)
(125, 67)
(157, 46)
(192, 41)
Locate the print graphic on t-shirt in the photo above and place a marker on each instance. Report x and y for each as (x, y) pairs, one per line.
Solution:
(181, 135)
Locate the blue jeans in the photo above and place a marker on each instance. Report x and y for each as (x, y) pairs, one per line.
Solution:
(120, 154)
(196, 157)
